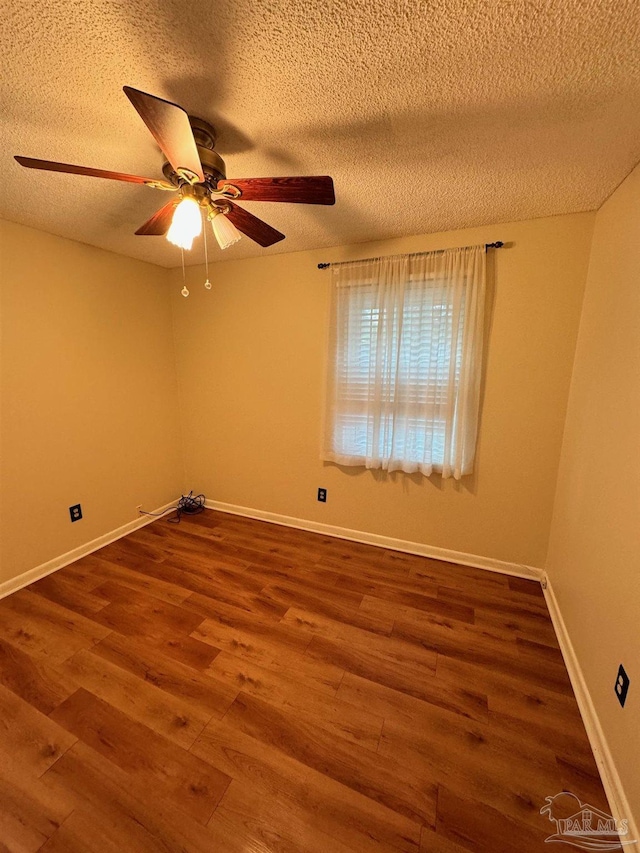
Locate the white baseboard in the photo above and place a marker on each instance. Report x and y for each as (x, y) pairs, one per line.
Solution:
(407, 547)
(620, 808)
(14, 584)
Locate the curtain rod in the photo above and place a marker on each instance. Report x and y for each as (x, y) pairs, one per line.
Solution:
(497, 245)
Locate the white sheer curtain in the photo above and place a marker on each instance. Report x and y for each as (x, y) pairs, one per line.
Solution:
(405, 362)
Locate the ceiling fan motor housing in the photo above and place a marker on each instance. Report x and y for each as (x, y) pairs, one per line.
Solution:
(213, 165)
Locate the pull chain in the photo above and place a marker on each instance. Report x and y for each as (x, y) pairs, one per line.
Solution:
(207, 283)
(185, 289)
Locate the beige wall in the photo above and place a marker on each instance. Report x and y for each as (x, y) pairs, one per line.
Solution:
(88, 394)
(251, 358)
(594, 554)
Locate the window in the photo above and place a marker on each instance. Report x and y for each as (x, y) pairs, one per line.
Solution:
(404, 368)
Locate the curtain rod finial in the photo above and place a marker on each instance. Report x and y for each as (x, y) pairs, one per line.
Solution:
(323, 266)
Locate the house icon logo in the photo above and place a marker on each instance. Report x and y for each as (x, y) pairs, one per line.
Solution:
(584, 826)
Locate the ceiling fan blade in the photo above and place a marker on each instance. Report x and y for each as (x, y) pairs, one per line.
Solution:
(160, 221)
(254, 228)
(170, 127)
(302, 190)
(50, 166)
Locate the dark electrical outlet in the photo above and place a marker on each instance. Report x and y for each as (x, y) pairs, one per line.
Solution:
(322, 495)
(75, 512)
(622, 685)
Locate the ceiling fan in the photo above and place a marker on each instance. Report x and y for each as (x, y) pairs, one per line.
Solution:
(197, 174)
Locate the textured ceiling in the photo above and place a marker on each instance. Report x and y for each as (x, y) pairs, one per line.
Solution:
(428, 115)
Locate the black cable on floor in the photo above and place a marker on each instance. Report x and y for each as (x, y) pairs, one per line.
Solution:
(188, 504)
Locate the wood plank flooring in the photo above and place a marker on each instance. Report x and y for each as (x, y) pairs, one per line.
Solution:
(230, 685)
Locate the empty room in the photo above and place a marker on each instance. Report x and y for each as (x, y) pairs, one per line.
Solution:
(320, 426)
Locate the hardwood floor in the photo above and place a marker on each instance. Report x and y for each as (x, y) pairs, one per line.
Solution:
(230, 685)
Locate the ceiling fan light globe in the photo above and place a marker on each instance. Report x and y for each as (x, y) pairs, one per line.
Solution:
(224, 231)
(186, 224)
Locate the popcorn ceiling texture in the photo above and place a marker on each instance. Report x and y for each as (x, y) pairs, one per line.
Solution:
(430, 116)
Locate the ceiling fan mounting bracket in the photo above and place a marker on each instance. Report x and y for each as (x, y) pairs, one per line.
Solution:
(230, 191)
(220, 206)
(159, 185)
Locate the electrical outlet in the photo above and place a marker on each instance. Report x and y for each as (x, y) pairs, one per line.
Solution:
(622, 685)
(322, 495)
(75, 512)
